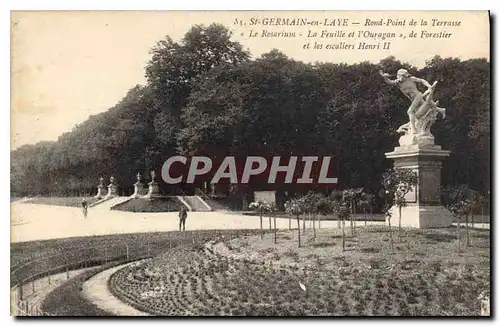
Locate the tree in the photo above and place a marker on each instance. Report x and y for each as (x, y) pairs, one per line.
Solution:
(397, 184)
(262, 207)
(308, 203)
(277, 96)
(296, 207)
(463, 86)
(478, 202)
(461, 202)
(323, 207)
(386, 195)
(203, 92)
(273, 210)
(366, 203)
(340, 208)
(352, 197)
(315, 202)
(174, 69)
(481, 201)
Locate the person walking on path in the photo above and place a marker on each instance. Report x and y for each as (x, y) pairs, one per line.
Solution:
(182, 218)
(84, 207)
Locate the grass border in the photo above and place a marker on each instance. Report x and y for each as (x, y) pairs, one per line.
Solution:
(68, 300)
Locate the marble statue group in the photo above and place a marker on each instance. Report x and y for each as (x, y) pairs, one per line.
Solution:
(418, 152)
(423, 110)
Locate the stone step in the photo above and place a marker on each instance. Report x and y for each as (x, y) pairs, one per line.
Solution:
(197, 204)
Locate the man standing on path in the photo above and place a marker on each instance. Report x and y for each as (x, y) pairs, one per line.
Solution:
(182, 218)
(84, 207)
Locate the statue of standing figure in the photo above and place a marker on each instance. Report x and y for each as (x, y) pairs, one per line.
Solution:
(423, 110)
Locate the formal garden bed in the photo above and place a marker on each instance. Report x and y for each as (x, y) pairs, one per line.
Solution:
(150, 205)
(37, 259)
(62, 201)
(236, 273)
(424, 275)
(30, 258)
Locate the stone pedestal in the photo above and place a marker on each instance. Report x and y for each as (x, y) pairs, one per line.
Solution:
(139, 190)
(111, 188)
(154, 189)
(111, 191)
(100, 192)
(424, 209)
(100, 189)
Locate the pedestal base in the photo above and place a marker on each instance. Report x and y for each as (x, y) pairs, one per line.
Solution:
(111, 191)
(422, 216)
(100, 192)
(424, 209)
(138, 190)
(154, 190)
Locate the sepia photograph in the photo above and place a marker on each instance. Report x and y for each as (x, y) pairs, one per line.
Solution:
(250, 163)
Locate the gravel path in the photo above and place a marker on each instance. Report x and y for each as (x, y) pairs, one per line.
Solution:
(96, 291)
(53, 222)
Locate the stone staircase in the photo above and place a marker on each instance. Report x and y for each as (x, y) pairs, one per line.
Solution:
(217, 205)
(108, 203)
(197, 204)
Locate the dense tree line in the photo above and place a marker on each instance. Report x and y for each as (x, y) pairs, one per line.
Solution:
(205, 95)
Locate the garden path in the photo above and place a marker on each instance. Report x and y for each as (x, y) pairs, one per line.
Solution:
(96, 291)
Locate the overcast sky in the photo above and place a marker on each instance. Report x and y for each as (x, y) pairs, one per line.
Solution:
(69, 65)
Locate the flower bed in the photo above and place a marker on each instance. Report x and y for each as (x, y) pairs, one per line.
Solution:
(33, 259)
(209, 280)
(164, 204)
(39, 258)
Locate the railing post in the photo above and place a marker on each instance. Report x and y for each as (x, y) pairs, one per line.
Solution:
(126, 247)
(48, 277)
(33, 284)
(21, 291)
(148, 249)
(67, 269)
(169, 243)
(105, 256)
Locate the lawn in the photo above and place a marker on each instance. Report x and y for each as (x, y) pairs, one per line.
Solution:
(62, 201)
(164, 204)
(424, 276)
